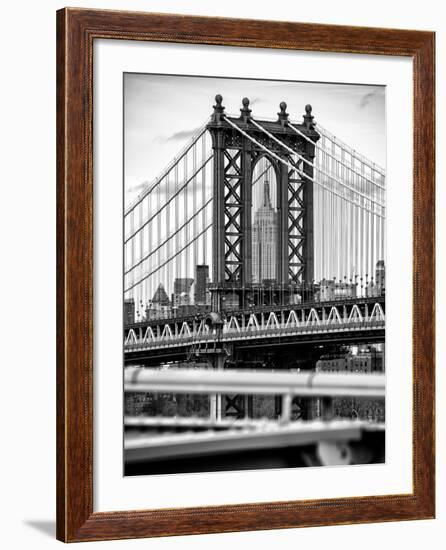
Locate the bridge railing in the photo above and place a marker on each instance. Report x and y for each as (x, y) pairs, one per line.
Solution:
(244, 434)
(205, 381)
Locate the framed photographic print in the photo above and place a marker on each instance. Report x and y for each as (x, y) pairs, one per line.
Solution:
(245, 275)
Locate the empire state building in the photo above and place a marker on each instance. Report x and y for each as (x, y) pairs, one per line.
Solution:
(264, 240)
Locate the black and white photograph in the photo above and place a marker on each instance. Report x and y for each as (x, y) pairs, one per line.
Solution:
(223, 266)
(254, 274)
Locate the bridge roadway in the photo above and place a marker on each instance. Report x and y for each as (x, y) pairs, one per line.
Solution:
(360, 320)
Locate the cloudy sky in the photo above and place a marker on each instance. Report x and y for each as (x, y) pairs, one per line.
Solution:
(161, 113)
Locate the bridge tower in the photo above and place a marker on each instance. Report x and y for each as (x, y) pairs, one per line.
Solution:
(238, 144)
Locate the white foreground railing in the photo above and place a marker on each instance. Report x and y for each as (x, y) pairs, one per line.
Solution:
(254, 382)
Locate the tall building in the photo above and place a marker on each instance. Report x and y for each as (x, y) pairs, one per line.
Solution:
(380, 275)
(202, 294)
(264, 240)
(366, 359)
(160, 297)
(182, 284)
(378, 286)
(182, 292)
(129, 311)
(160, 304)
(329, 289)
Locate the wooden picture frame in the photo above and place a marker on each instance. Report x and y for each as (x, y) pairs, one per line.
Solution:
(76, 31)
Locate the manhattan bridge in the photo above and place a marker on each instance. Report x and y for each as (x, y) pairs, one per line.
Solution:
(257, 255)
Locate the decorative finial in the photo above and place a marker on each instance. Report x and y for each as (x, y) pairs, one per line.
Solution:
(218, 108)
(308, 117)
(245, 111)
(283, 115)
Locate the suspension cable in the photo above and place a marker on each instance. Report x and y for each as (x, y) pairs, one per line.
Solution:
(309, 163)
(151, 187)
(317, 146)
(187, 245)
(136, 231)
(355, 154)
(283, 161)
(170, 237)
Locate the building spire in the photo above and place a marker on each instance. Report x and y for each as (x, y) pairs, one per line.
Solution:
(266, 197)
